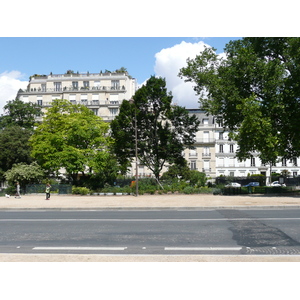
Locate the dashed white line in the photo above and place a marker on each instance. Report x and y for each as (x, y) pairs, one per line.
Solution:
(81, 248)
(203, 248)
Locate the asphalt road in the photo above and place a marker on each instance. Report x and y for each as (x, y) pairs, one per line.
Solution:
(164, 232)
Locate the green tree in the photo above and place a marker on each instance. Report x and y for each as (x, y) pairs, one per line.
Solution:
(255, 89)
(197, 178)
(177, 172)
(106, 170)
(25, 174)
(14, 147)
(19, 113)
(71, 136)
(163, 130)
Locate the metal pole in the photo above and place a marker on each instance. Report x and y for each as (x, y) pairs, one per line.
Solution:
(136, 157)
(131, 101)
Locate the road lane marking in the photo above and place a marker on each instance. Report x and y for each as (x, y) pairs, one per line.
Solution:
(81, 248)
(203, 248)
(147, 220)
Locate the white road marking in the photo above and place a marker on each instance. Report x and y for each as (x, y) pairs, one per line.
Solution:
(81, 248)
(147, 220)
(203, 248)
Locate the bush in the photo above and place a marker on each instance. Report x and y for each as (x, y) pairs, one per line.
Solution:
(197, 178)
(217, 191)
(80, 190)
(188, 190)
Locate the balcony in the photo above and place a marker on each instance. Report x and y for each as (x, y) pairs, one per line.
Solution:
(113, 103)
(227, 154)
(206, 141)
(73, 89)
(206, 155)
(96, 103)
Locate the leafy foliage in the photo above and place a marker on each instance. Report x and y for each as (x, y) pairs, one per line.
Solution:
(177, 172)
(25, 174)
(14, 147)
(163, 130)
(19, 113)
(197, 179)
(70, 137)
(256, 91)
(16, 127)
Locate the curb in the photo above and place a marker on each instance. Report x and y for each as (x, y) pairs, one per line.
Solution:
(153, 208)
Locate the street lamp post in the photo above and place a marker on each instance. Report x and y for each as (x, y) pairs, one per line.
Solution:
(131, 101)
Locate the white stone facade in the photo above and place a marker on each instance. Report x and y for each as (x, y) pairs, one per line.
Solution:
(102, 92)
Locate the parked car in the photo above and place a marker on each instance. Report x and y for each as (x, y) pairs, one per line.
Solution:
(254, 183)
(233, 184)
(276, 183)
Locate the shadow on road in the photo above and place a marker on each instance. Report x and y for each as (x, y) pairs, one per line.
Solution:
(253, 233)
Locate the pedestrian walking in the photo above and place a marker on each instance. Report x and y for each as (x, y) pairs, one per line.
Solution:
(48, 188)
(18, 195)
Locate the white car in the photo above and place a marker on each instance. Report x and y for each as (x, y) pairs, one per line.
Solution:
(276, 183)
(233, 184)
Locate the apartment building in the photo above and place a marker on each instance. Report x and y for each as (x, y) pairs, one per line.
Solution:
(202, 157)
(101, 92)
(228, 165)
(215, 153)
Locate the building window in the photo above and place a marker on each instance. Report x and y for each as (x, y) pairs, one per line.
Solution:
(221, 162)
(40, 102)
(221, 137)
(205, 121)
(284, 162)
(86, 84)
(57, 86)
(231, 174)
(95, 99)
(113, 111)
(231, 148)
(220, 122)
(295, 174)
(115, 84)
(72, 99)
(221, 150)
(206, 136)
(252, 162)
(206, 166)
(193, 165)
(231, 162)
(95, 111)
(97, 85)
(193, 152)
(83, 98)
(75, 85)
(206, 151)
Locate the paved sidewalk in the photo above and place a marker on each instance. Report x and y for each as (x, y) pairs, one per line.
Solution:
(37, 201)
(169, 201)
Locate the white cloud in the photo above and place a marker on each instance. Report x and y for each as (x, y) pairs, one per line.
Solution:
(10, 83)
(168, 64)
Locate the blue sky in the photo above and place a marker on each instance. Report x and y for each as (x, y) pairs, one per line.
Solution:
(21, 57)
(46, 54)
